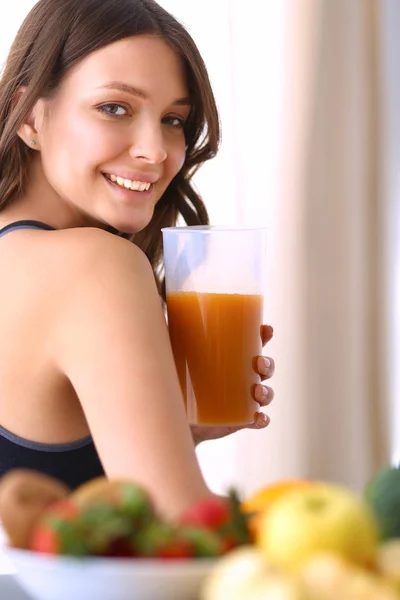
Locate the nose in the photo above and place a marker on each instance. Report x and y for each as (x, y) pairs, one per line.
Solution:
(148, 143)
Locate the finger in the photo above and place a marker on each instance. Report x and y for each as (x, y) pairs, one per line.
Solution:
(264, 366)
(263, 394)
(235, 429)
(266, 333)
(260, 421)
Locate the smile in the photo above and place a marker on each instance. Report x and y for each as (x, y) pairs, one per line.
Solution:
(129, 184)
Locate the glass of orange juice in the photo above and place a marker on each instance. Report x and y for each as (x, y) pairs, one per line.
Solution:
(215, 283)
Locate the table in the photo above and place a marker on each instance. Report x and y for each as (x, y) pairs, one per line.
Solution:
(10, 590)
(5, 566)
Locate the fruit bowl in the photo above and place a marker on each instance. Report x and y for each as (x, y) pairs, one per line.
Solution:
(48, 577)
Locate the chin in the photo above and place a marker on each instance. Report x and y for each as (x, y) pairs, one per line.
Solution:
(130, 226)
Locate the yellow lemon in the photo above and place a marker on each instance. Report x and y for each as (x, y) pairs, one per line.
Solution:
(256, 504)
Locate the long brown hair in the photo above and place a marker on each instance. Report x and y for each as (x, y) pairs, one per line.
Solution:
(54, 37)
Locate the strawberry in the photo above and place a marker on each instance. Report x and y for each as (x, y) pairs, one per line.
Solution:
(222, 516)
(108, 530)
(178, 548)
(119, 548)
(205, 543)
(98, 530)
(161, 540)
(133, 502)
(211, 513)
(127, 497)
(57, 531)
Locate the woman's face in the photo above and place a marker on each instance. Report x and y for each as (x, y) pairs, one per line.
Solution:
(112, 139)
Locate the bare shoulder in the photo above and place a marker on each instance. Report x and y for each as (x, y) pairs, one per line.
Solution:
(105, 289)
(94, 238)
(80, 258)
(70, 252)
(89, 246)
(94, 266)
(79, 274)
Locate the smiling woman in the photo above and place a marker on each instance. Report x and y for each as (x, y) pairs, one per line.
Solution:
(129, 130)
(106, 111)
(93, 143)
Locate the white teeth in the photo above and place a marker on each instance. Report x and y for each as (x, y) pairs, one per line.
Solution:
(128, 184)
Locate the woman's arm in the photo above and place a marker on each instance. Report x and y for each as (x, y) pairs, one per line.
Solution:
(111, 341)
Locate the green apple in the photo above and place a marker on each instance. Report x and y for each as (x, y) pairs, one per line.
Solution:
(320, 518)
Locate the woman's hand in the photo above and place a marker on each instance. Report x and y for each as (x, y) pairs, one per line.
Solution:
(262, 394)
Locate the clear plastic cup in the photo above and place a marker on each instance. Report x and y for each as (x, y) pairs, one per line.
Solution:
(215, 283)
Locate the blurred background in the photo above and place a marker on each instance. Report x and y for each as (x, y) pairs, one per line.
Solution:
(309, 100)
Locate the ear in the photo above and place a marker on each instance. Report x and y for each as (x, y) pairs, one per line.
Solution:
(30, 128)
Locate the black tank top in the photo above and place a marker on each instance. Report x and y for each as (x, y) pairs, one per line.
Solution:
(73, 463)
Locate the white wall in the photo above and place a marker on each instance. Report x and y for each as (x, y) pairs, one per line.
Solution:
(390, 115)
(243, 48)
(10, 22)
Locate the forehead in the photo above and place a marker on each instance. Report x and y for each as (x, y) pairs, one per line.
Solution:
(143, 61)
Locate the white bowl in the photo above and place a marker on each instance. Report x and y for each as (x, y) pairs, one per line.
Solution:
(47, 577)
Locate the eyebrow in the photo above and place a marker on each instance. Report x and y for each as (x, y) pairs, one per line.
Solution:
(134, 91)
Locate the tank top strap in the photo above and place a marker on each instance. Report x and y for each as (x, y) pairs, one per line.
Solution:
(25, 224)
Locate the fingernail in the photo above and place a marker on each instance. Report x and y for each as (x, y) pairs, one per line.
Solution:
(261, 390)
(267, 363)
(262, 419)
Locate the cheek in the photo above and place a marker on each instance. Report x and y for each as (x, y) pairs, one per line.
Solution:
(77, 145)
(87, 145)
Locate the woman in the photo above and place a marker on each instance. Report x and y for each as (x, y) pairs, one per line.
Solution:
(106, 111)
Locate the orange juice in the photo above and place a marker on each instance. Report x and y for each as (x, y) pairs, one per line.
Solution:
(215, 339)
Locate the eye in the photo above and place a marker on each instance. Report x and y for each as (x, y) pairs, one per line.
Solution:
(113, 110)
(176, 122)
